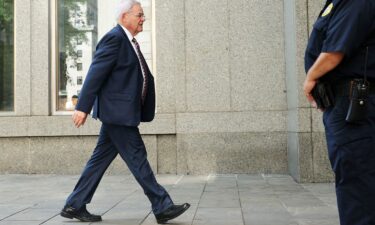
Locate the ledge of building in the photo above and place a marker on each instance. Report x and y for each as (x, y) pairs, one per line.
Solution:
(164, 123)
(44, 126)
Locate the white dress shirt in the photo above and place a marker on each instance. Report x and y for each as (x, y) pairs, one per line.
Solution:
(130, 36)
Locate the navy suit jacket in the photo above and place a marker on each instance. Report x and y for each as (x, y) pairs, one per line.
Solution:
(114, 83)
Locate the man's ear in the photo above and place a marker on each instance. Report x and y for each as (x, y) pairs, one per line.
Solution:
(123, 17)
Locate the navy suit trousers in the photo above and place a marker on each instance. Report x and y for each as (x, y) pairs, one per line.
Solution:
(126, 141)
(351, 148)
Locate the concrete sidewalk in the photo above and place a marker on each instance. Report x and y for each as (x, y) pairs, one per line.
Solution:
(215, 200)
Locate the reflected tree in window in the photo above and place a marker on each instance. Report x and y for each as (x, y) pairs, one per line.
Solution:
(6, 55)
(77, 35)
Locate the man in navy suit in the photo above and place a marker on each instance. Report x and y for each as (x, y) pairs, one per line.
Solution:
(121, 89)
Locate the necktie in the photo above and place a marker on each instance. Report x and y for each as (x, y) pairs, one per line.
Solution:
(144, 69)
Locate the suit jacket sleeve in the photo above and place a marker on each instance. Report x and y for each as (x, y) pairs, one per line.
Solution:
(104, 60)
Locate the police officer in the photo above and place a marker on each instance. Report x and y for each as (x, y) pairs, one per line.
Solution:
(340, 49)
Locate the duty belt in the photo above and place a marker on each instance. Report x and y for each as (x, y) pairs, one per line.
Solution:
(342, 88)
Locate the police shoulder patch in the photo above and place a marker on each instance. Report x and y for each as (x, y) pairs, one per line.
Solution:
(327, 10)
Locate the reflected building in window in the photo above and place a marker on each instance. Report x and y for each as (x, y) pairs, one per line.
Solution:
(77, 40)
(81, 23)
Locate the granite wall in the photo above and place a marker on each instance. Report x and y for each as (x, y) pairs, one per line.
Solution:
(229, 100)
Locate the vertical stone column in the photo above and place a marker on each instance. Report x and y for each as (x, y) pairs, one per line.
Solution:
(170, 75)
(170, 55)
(307, 159)
(22, 32)
(299, 116)
(40, 63)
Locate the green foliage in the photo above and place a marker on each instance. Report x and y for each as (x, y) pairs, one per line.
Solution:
(69, 36)
(6, 13)
(6, 56)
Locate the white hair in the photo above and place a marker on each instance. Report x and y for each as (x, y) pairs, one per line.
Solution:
(124, 6)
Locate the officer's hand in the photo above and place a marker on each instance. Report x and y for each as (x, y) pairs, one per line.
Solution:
(79, 118)
(308, 85)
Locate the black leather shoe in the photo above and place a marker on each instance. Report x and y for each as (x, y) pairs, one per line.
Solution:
(171, 213)
(80, 214)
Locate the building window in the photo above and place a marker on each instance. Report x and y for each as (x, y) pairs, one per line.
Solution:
(80, 24)
(79, 66)
(77, 26)
(6, 55)
(79, 80)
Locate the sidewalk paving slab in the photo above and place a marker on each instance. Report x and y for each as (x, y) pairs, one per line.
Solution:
(215, 200)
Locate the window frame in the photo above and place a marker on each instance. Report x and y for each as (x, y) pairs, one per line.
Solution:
(54, 59)
(54, 56)
(54, 35)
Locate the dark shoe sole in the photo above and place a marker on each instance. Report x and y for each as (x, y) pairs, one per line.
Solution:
(70, 216)
(66, 215)
(163, 221)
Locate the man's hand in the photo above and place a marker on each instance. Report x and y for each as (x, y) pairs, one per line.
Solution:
(79, 118)
(308, 85)
(326, 62)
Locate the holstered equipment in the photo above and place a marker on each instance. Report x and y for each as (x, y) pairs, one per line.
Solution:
(323, 95)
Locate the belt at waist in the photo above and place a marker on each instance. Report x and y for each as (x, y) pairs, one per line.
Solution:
(342, 88)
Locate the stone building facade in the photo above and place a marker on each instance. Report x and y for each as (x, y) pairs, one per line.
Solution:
(229, 96)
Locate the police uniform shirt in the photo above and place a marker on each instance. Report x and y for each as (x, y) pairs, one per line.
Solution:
(345, 26)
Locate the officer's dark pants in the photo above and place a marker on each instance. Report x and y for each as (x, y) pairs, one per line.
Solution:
(126, 141)
(351, 149)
